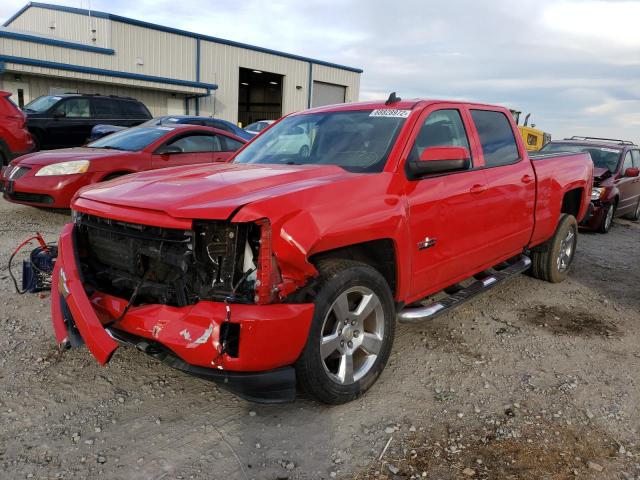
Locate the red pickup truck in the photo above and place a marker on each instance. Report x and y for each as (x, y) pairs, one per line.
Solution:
(290, 266)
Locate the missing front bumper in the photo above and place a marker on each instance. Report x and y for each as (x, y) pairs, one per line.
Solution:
(272, 336)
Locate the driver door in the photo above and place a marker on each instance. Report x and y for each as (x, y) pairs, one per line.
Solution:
(446, 211)
(192, 148)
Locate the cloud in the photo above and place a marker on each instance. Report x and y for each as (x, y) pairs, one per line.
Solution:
(574, 64)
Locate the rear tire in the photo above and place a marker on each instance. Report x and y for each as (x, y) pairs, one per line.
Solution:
(607, 219)
(552, 261)
(351, 333)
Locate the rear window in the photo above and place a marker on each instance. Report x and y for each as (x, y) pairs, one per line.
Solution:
(602, 157)
(134, 109)
(496, 137)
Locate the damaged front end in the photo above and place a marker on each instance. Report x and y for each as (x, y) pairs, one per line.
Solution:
(214, 261)
(200, 300)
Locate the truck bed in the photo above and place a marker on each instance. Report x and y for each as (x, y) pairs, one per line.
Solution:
(557, 174)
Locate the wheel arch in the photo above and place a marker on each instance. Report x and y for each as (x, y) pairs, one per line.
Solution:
(572, 202)
(380, 254)
(111, 175)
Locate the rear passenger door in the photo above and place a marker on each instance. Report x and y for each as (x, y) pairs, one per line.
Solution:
(446, 221)
(195, 147)
(71, 122)
(511, 193)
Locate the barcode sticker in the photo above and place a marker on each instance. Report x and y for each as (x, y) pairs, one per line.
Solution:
(391, 113)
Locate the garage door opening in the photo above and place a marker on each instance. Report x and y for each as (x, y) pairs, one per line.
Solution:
(260, 96)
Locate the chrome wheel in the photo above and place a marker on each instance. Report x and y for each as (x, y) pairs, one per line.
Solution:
(567, 247)
(609, 218)
(352, 335)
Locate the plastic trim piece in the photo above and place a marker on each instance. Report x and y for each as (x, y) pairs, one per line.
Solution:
(108, 73)
(24, 37)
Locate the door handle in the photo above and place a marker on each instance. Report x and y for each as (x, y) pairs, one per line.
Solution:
(527, 179)
(478, 188)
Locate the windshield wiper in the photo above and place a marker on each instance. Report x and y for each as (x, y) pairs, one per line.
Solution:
(109, 147)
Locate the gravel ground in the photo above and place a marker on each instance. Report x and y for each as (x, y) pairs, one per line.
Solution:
(532, 380)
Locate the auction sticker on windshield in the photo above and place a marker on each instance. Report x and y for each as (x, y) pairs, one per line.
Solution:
(386, 112)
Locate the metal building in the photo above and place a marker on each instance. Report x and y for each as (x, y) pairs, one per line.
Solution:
(49, 49)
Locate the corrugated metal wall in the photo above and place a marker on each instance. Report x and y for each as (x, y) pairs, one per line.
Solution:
(68, 26)
(155, 100)
(162, 54)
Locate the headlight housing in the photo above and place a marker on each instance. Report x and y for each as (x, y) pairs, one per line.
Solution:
(64, 168)
(597, 193)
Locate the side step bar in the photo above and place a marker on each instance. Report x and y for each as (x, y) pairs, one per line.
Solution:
(432, 310)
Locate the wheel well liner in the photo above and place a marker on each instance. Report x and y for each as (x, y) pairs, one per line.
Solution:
(380, 254)
(571, 202)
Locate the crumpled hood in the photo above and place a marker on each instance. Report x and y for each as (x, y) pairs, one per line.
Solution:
(210, 191)
(49, 157)
(600, 174)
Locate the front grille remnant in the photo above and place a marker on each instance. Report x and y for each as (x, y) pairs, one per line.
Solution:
(170, 266)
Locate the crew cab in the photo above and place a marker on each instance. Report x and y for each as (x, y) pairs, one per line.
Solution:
(289, 268)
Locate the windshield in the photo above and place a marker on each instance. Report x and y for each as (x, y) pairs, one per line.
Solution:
(131, 139)
(358, 141)
(603, 157)
(41, 104)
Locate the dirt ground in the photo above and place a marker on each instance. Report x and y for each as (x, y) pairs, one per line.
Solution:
(532, 381)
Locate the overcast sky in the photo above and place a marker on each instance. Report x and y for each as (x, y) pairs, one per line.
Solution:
(575, 65)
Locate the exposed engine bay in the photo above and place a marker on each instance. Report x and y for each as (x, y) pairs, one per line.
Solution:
(215, 261)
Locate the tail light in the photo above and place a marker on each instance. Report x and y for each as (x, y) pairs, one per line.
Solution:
(268, 274)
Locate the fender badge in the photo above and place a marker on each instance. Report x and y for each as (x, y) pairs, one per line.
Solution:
(427, 243)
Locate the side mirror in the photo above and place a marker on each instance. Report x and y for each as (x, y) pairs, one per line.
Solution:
(632, 172)
(59, 114)
(440, 160)
(168, 150)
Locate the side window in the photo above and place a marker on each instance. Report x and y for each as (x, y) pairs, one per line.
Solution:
(74, 108)
(232, 145)
(442, 128)
(497, 138)
(104, 108)
(628, 161)
(635, 154)
(198, 143)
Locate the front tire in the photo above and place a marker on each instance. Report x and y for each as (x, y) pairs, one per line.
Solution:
(552, 261)
(351, 334)
(607, 219)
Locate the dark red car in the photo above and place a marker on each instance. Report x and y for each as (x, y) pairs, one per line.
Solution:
(15, 139)
(51, 178)
(616, 184)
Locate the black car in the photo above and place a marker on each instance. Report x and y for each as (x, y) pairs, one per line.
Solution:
(58, 121)
(100, 130)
